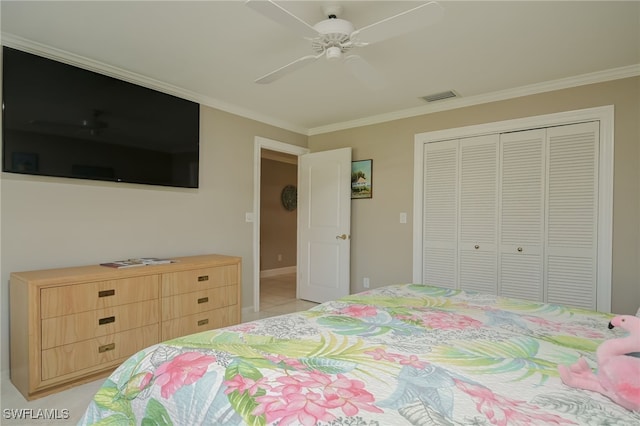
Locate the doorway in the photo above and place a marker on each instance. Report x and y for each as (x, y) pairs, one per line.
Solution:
(278, 230)
(274, 150)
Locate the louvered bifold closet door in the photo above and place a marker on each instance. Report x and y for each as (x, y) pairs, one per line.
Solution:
(521, 223)
(572, 203)
(440, 214)
(478, 214)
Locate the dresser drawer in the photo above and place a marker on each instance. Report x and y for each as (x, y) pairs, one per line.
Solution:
(72, 299)
(68, 329)
(198, 301)
(95, 352)
(198, 279)
(196, 323)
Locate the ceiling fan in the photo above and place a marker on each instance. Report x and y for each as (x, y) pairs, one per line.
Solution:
(335, 38)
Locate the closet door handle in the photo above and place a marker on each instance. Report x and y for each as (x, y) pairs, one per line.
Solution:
(476, 247)
(519, 249)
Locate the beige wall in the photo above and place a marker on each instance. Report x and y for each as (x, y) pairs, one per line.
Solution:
(375, 223)
(52, 222)
(278, 226)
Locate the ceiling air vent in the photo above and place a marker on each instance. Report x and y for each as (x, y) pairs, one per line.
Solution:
(440, 96)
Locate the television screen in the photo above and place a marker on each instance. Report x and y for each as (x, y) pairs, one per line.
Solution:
(61, 120)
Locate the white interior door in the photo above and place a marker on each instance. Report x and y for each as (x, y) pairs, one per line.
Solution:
(324, 224)
(522, 183)
(572, 214)
(477, 214)
(440, 220)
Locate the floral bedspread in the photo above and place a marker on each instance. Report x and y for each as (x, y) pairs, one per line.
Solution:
(402, 354)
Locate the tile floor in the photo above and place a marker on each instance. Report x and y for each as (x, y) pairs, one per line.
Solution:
(277, 297)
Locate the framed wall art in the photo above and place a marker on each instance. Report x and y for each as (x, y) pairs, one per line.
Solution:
(361, 175)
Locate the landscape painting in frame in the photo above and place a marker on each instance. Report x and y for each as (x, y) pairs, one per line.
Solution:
(361, 179)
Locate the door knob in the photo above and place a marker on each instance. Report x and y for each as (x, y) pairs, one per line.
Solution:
(342, 237)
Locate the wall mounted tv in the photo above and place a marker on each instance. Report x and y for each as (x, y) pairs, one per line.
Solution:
(64, 121)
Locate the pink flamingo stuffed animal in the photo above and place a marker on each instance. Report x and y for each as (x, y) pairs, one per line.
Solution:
(618, 376)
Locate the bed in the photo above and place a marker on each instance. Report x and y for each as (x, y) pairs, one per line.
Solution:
(402, 354)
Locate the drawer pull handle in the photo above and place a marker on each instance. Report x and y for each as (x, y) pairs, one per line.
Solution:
(106, 320)
(106, 348)
(203, 300)
(203, 278)
(107, 293)
(203, 322)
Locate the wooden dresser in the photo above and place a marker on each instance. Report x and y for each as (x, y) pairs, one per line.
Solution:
(74, 325)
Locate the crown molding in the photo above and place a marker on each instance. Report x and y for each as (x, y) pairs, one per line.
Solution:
(63, 56)
(26, 45)
(533, 89)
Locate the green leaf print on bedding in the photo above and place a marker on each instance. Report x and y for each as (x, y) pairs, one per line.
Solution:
(434, 291)
(394, 302)
(491, 357)
(110, 397)
(572, 342)
(247, 345)
(244, 403)
(156, 415)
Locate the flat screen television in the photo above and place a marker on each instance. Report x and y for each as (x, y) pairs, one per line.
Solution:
(61, 120)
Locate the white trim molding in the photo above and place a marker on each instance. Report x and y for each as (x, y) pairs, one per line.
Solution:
(63, 56)
(605, 115)
(21, 43)
(501, 95)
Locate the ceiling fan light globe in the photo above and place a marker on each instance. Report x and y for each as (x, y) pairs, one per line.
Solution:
(333, 53)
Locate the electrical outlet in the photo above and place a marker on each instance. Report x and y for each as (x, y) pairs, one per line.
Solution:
(279, 258)
(365, 282)
(403, 217)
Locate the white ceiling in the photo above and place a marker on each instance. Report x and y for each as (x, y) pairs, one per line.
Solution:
(212, 51)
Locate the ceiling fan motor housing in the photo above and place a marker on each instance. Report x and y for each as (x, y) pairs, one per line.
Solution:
(334, 32)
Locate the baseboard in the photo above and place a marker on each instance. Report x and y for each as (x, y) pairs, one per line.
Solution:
(278, 271)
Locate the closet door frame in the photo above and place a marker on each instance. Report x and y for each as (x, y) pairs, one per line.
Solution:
(605, 115)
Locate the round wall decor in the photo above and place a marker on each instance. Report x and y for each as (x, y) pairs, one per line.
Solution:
(289, 197)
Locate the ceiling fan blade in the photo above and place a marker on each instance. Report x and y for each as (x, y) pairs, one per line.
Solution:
(293, 66)
(364, 72)
(282, 16)
(402, 23)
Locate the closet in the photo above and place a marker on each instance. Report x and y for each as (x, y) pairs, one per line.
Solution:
(514, 213)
